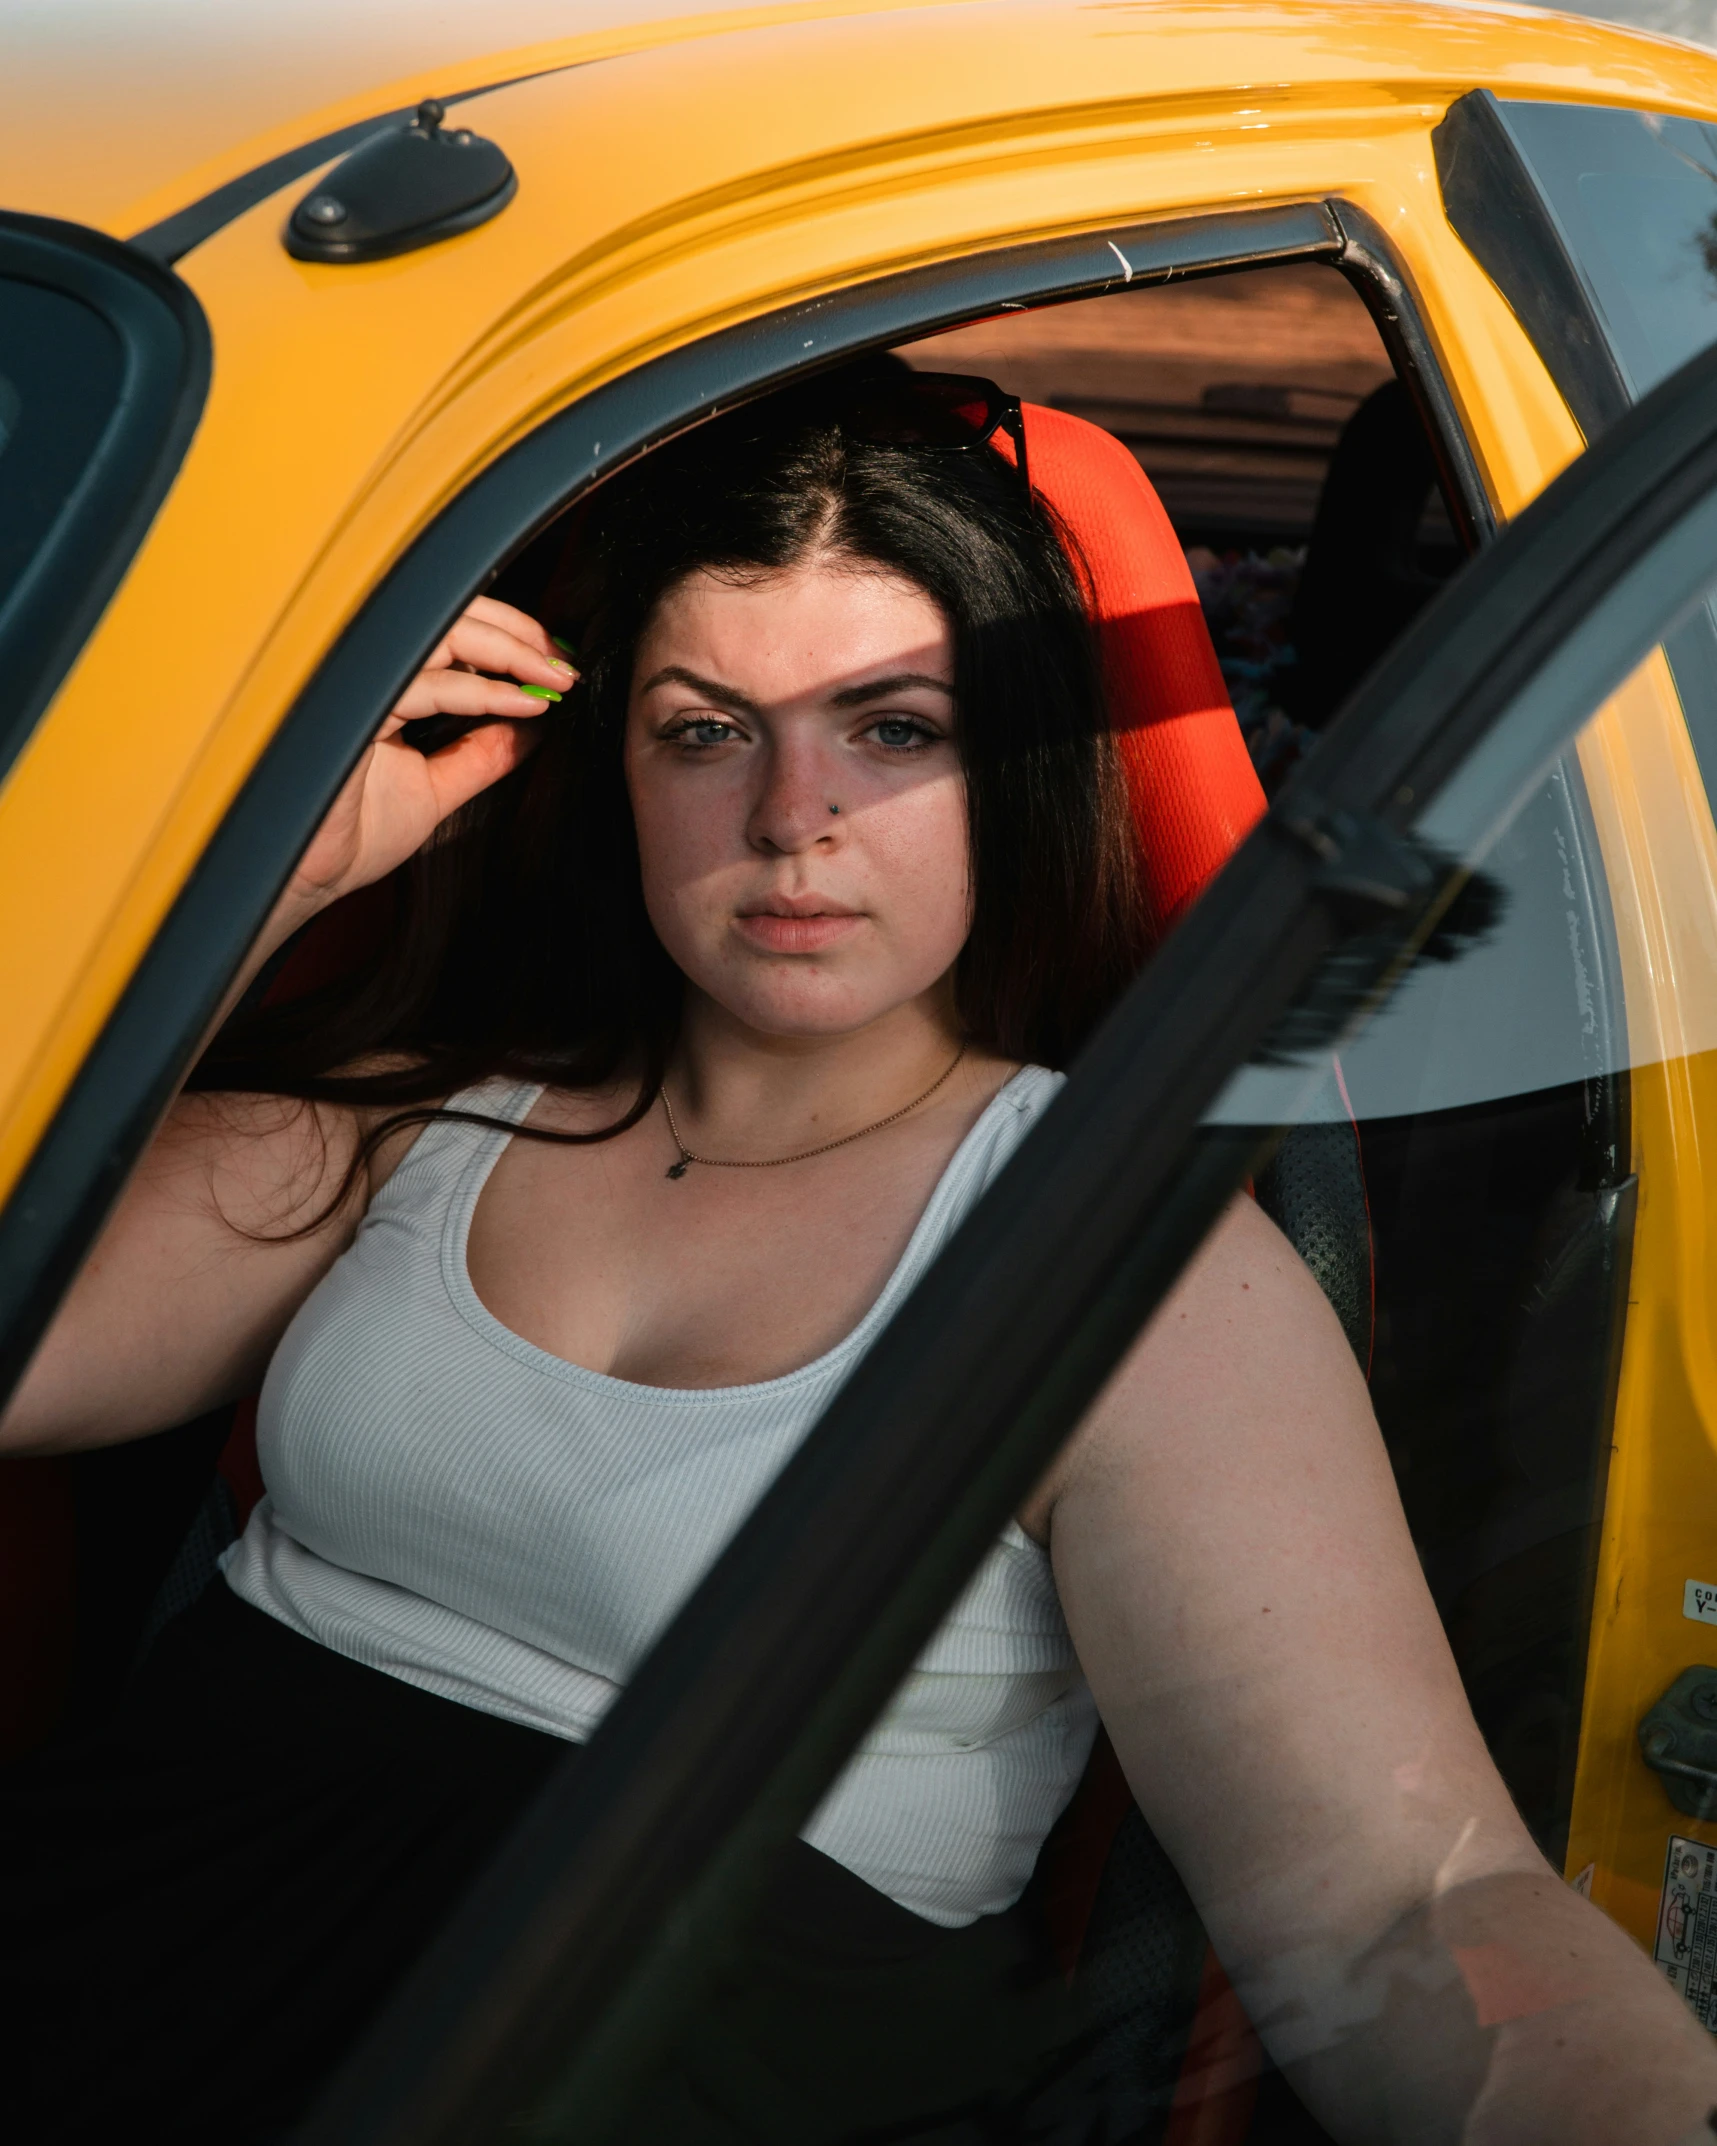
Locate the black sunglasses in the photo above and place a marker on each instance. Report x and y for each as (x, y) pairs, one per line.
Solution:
(950, 412)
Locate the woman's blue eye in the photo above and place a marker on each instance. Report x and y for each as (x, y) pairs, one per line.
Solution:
(710, 732)
(895, 731)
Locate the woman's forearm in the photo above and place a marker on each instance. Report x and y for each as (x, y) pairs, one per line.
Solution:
(1505, 2011)
(1237, 1574)
(197, 1272)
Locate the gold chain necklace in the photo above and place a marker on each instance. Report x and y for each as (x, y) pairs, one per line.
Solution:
(776, 1162)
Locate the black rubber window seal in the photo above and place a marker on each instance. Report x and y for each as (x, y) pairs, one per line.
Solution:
(1387, 288)
(165, 359)
(117, 1098)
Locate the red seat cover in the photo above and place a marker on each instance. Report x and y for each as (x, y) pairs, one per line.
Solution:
(1191, 783)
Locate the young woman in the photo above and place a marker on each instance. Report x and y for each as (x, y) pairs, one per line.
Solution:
(769, 942)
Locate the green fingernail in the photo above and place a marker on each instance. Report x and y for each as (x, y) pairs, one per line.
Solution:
(540, 692)
(567, 645)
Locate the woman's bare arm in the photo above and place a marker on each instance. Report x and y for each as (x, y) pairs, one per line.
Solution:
(1243, 1592)
(196, 1276)
(203, 1264)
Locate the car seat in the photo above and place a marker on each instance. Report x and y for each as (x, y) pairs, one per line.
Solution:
(1170, 2041)
(1369, 569)
(1192, 788)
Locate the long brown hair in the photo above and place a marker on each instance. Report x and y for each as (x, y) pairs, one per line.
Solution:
(517, 943)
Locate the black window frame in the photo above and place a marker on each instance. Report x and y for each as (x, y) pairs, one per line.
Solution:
(165, 358)
(116, 1099)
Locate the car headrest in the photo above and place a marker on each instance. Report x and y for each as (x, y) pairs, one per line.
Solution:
(1190, 781)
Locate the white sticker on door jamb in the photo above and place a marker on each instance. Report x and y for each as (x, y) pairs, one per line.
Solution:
(1699, 1601)
(1686, 1947)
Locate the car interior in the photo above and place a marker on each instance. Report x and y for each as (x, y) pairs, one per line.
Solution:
(1290, 459)
(1292, 526)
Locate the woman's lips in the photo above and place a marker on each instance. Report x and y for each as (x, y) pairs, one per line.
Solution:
(797, 935)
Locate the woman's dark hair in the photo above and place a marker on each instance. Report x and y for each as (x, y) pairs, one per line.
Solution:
(517, 942)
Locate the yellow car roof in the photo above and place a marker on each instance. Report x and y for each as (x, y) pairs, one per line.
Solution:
(120, 112)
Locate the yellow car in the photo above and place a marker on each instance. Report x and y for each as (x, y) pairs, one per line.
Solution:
(313, 323)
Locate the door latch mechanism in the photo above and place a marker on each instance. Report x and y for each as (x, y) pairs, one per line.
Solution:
(1678, 1740)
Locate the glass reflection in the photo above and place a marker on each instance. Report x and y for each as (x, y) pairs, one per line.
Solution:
(1634, 195)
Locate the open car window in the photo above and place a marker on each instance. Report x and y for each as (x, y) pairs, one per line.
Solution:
(127, 1078)
(1426, 1013)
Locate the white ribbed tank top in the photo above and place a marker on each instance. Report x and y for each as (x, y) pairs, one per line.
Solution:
(460, 1509)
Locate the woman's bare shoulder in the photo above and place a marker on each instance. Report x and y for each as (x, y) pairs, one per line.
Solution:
(395, 1128)
(584, 1110)
(294, 1150)
(265, 1165)
(1245, 1338)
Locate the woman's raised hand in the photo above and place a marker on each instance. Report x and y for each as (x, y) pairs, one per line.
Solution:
(397, 796)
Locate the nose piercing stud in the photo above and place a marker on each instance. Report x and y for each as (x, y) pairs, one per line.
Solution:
(834, 808)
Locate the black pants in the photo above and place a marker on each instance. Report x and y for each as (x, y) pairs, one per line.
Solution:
(204, 1903)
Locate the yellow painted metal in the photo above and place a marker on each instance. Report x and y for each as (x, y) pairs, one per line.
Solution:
(704, 171)
(115, 114)
(1660, 1516)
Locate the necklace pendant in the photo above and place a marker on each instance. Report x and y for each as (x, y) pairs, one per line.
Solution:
(679, 1169)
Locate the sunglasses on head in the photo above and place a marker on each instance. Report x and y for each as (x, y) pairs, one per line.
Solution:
(949, 412)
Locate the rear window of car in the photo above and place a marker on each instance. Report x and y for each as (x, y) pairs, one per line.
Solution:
(61, 374)
(104, 365)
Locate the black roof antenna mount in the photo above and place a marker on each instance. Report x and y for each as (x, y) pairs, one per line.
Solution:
(403, 188)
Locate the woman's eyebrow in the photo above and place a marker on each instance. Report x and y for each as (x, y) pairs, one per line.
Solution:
(676, 674)
(880, 688)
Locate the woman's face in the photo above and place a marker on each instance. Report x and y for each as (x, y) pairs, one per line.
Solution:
(799, 802)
